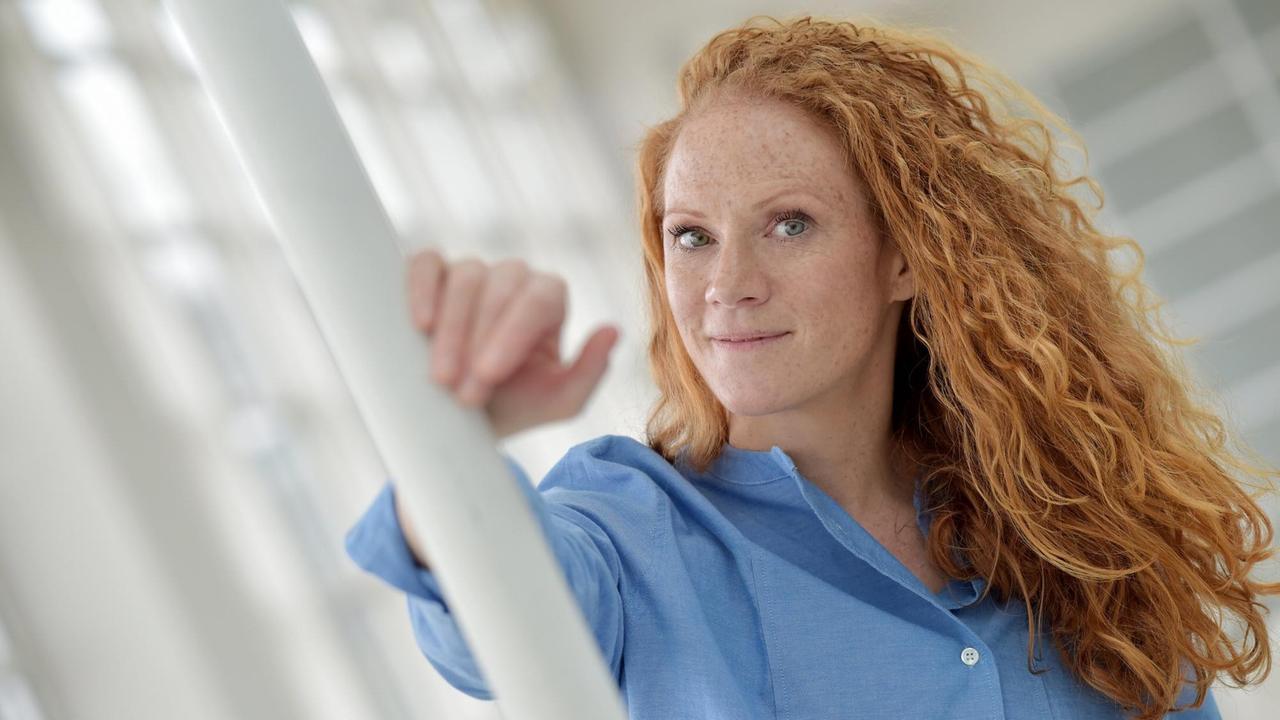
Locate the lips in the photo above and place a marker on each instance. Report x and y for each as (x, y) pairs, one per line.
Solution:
(745, 336)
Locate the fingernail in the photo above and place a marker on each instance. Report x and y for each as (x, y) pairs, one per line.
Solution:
(470, 392)
(422, 317)
(442, 364)
(441, 373)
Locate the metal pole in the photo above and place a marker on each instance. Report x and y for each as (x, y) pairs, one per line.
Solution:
(501, 579)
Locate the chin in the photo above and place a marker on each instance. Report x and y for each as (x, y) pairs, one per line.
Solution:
(751, 404)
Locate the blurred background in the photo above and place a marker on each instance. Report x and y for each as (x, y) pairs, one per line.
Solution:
(179, 459)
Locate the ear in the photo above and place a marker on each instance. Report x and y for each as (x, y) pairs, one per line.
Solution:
(902, 282)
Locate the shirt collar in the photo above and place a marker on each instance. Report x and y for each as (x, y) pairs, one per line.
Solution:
(754, 467)
(751, 467)
(757, 467)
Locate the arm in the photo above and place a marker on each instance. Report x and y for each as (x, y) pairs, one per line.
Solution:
(410, 537)
(378, 544)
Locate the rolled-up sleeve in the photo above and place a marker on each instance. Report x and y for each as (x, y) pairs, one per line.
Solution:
(376, 543)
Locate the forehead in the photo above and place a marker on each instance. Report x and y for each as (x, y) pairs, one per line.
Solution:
(738, 145)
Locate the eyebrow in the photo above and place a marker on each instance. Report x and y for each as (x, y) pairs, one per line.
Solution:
(769, 200)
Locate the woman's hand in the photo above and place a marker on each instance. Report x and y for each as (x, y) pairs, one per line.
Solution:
(495, 339)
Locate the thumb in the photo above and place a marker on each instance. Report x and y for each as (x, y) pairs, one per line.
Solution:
(581, 379)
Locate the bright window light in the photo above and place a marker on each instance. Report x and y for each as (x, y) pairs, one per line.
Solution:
(455, 168)
(125, 141)
(480, 54)
(401, 55)
(524, 147)
(183, 264)
(67, 28)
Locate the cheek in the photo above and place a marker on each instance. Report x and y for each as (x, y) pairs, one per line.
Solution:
(682, 295)
(844, 298)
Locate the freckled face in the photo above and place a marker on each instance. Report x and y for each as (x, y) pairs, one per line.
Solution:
(766, 228)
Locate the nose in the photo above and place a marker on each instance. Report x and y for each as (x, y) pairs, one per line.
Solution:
(737, 276)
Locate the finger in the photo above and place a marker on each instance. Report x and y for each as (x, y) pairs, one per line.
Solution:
(462, 284)
(536, 310)
(502, 284)
(584, 376)
(422, 276)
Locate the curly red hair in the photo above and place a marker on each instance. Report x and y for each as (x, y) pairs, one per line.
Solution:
(1072, 459)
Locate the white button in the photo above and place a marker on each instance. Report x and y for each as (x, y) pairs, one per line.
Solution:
(969, 656)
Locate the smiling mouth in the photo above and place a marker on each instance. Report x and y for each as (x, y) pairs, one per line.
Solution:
(739, 337)
(752, 343)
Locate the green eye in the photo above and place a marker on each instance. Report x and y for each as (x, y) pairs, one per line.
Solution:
(696, 233)
(680, 232)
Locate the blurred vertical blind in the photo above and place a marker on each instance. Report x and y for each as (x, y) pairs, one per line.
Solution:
(1183, 126)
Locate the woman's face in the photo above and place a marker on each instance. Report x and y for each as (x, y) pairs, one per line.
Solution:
(767, 230)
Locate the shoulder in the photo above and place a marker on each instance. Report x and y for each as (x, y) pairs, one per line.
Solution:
(613, 470)
(621, 453)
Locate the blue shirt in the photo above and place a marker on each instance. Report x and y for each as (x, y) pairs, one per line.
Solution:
(747, 592)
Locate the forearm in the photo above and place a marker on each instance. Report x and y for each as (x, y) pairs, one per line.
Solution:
(410, 537)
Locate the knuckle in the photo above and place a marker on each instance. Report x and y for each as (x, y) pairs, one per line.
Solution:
(485, 374)
(507, 278)
(512, 266)
(423, 265)
(425, 257)
(468, 265)
(467, 273)
(549, 286)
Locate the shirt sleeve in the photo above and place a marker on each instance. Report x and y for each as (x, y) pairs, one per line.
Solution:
(584, 551)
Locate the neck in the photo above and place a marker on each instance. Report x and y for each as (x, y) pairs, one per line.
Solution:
(840, 441)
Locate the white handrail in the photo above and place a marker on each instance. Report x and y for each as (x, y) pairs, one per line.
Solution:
(501, 579)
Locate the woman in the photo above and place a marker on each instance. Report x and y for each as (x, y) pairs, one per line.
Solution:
(954, 475)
